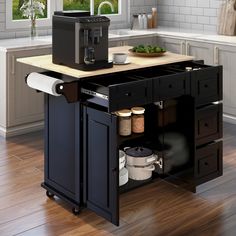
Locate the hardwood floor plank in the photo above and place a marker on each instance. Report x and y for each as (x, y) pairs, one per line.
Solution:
(156, 209)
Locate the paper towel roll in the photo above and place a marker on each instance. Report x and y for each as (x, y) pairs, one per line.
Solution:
(43, 83)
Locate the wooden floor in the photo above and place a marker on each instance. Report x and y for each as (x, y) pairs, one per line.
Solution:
(156, 209)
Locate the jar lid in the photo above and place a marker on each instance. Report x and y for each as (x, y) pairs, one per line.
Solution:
(138, 110)
(139, 152)
(124, 113)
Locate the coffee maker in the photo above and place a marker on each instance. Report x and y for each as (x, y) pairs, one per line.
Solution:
(80, 41)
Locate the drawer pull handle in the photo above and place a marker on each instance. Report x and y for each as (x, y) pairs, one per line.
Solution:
(128, 94)
(206, 163)
(206, 124)
(206, 86)
(170, 86)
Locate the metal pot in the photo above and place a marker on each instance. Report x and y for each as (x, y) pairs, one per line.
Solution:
(123, 176)
(140, 173)
(121, 159)
(140, 156)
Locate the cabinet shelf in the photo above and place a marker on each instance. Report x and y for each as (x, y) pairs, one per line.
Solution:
(133, 184)
(122, 139)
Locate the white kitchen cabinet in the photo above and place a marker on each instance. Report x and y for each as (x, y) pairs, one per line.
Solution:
(134, 41)
(172, 44)
(21, 108)
(200, 50)
(226, 56)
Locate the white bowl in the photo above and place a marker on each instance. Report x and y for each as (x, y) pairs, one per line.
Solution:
(120, 57)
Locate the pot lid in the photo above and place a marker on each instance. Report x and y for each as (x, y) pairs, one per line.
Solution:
(139, 152)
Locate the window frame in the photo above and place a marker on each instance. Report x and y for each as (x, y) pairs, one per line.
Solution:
(123, 16)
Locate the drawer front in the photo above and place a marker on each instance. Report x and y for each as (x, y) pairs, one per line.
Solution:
(206, 85)
(208, 162)
(128, 95)
(170, 86)
(208, 125)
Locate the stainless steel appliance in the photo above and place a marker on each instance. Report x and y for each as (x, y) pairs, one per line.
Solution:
(80, 41)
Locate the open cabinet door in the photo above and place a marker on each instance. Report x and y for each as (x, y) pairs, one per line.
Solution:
(101, 179)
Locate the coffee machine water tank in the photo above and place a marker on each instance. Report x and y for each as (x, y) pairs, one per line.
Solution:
(80, 41)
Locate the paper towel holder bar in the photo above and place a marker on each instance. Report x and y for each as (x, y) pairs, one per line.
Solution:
(69, 90)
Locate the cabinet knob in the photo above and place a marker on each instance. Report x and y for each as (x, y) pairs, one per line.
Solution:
(170, 86)
(206, 86)
(206, 163)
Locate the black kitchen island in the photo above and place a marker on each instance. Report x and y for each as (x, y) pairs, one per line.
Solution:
(81, 128)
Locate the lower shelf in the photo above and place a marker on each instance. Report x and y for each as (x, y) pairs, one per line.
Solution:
(133, 184)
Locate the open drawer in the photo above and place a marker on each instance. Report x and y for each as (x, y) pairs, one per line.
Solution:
(117, 91)
(167, 83)
(206, 81)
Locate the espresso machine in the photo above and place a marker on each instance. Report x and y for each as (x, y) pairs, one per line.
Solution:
(80, 41)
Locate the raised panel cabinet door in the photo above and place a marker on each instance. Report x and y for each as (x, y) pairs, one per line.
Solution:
(62, 146)
(226, 56)
(101, 177)
(145, 40)
(172, 44)
(201, 51)
(25, 105)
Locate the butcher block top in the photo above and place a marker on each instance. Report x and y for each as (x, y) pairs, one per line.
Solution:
(45, 62)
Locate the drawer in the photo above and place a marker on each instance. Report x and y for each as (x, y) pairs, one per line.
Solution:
(208, 162)
(117, 91)
(167, 84)
(206, 81)
(208, 124)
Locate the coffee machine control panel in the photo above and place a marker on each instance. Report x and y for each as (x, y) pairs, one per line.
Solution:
(93, 19)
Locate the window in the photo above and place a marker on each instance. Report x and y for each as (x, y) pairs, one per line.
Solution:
(15, 18)
(117, 10)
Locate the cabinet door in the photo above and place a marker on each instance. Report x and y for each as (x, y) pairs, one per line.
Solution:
(172, 44)
(226, 56)
(141, 40)
(62, 146)
(101, 178)
(25, 105)
(200, 51)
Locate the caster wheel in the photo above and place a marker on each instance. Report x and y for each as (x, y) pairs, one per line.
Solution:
(50, 195)
(75, 210)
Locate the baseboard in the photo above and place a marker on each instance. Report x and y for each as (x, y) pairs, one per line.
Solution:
(21, 129)
(229, 119)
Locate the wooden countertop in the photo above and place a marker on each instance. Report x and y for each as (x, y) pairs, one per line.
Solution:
(45, 62)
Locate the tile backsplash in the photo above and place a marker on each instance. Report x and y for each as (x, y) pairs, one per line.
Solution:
(189, 14)
(136, 6)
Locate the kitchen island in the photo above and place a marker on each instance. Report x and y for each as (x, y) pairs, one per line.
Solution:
(82, 144)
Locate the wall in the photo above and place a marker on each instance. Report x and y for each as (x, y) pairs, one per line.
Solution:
(136, 6)
(189, 14)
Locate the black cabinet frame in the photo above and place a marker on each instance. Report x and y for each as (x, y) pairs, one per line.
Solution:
(81, 141)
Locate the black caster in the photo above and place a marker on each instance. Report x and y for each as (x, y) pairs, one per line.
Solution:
(75, 210)
(50, 195)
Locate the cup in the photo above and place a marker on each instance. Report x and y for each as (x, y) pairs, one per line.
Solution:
(120, 58)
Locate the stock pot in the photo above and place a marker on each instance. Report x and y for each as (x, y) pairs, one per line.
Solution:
(139, 156)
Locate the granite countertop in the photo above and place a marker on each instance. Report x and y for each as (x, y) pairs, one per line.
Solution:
(125, 34)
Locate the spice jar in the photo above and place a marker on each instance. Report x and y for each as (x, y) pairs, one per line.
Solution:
(124, 122)
(138, 119)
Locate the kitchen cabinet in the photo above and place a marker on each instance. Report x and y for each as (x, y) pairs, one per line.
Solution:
(226, 56)
(134, 41)
(21, 108)
(82, 141)
(200, 50)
